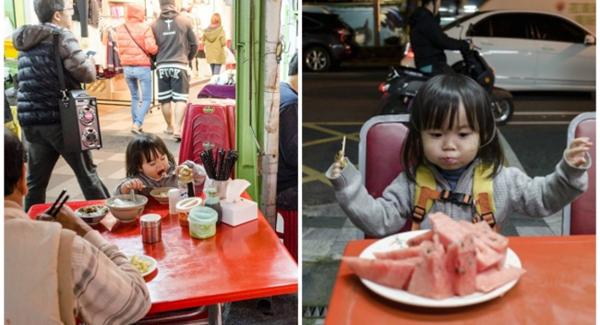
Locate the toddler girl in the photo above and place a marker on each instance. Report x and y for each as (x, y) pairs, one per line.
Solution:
(150, 164)
(453, 140)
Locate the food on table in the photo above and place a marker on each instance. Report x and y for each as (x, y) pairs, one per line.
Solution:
(92, 211)
(454, 258)
(139, 264)
(392, 273)
(120, 203)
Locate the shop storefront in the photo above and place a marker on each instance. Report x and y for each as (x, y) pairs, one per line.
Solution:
(103, 17)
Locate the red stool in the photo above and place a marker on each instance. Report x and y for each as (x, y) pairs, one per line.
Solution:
(290, 231)
(204, 123)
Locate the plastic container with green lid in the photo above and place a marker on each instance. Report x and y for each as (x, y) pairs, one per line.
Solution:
(202, 222)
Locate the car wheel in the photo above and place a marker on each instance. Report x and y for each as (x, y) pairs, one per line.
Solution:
(317, 59)
(503, 108)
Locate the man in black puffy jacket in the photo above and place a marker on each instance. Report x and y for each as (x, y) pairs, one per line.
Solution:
(428, 40)
(38, 98)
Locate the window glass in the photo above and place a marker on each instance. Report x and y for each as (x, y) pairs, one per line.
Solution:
(502, 25)
(309, 23)
(552, 28)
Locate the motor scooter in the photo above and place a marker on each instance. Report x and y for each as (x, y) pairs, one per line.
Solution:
(403, 83)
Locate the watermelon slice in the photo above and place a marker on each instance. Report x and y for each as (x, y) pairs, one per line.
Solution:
(462, 266)
(486, 257)
(449, 230)
(494, 240)
(494, 278)
(430, 277)
(415, 241)
(391, 273)
(403, 253)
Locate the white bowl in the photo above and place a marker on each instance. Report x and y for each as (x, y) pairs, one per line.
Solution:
(160, 194)
(124, 209)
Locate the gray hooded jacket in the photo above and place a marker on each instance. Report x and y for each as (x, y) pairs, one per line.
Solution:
(177, 43)
(514, 192)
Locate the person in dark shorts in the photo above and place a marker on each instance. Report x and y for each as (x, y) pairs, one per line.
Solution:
(177, 46)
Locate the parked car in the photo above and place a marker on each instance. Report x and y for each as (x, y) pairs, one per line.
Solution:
(529, 50)
(326, 41)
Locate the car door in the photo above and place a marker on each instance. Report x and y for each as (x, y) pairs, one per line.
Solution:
(565, 62)
(506, 44)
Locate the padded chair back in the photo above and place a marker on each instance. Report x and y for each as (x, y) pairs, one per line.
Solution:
(204, 123)
(580, 216)
(380, 150)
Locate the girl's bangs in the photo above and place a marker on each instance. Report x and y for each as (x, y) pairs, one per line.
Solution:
(151, 151)
(438, 111)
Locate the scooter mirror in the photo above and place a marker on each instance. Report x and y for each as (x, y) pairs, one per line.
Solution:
(589, 40)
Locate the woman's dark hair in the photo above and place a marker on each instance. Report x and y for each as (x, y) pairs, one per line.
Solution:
(14, 158)
(439, 101)
(144, 147)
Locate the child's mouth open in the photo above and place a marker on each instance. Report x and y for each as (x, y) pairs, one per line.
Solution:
(161, 173)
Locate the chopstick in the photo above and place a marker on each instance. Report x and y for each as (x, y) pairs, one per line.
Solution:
(63, 192)
(54, 209)
(60, 206)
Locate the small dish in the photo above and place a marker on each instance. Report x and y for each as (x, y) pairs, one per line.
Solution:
(160, 194)
(92, 214)
(143, 263)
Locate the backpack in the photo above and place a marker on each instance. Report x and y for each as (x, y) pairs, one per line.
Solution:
(482, 198)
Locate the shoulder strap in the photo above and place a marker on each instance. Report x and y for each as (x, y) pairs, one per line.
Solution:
(425, 193)
(483, 193)
(136, 43)
(66, 297)
(59, 66)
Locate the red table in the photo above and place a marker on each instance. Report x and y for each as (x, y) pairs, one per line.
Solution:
(239, 263)
(558, 288)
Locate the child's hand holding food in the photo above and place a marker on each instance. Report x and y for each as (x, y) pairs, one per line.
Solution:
(340, 160)
(576, 152)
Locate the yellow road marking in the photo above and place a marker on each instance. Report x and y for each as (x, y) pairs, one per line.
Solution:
(350, 136)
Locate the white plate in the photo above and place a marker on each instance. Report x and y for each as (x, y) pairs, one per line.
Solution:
(147, 259)
(399, 241)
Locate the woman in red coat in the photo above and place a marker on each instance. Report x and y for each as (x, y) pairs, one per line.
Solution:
(136, 44)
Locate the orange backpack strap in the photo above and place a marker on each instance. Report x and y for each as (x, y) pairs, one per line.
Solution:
(425, 194)
(483, 192)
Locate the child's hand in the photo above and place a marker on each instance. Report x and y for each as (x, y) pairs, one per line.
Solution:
(132, 184)
(575, 153)
(337, 169)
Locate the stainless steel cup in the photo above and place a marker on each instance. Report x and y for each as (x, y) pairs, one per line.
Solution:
(151, 231)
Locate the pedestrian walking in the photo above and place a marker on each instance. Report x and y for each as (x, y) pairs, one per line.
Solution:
(214, 44)
(136, 45)
(38, 98)
(177, 46)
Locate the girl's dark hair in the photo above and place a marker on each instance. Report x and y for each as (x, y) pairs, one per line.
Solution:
(14, 158)
(144, 147)
(439, 101)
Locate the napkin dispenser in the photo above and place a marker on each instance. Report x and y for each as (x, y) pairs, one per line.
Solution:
(237, 210)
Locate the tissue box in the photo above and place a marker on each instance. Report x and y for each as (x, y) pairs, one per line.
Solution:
(239, 212)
